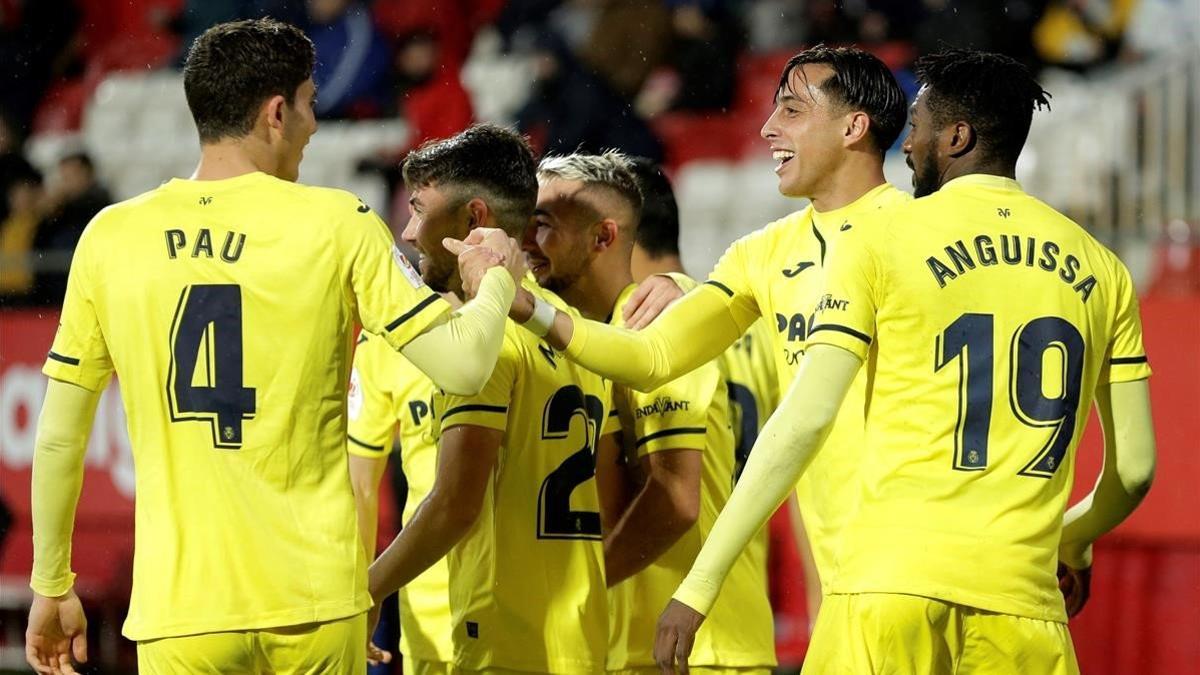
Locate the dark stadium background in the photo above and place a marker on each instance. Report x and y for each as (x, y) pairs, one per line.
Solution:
(91, 111)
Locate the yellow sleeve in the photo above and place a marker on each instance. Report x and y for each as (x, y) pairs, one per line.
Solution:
(845, 313)
(734, 275)
(784, 448)
(1125, 476)
(688, 334)
(488, 408)
(79, 354)
(392, 300)
(676, 414)
(1125, 360)
(62, 433)
(370, 413)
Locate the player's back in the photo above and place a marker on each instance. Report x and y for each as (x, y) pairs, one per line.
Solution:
(995, 318)
(527, 589)
(226, 308)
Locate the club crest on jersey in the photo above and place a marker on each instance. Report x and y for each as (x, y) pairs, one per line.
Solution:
(406, 268)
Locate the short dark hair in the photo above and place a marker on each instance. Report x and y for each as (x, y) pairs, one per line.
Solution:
(995, 94)
(860, 81)
(658, 228)
(233, 67)
(484, 160)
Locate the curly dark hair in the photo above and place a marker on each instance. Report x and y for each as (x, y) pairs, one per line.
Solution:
(233, 67)
(995, 94)
(860, 81)
(484, 160)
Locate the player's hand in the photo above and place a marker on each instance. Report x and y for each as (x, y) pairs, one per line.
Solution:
(676, 634)
(375, 655)
(56, 638)
(473, 262)
(1076, 587)
(649, 300)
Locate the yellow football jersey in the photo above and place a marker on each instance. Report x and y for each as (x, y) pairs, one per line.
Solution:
(987, 320)
(227, 310)
(692, 411)
(389, 394)
(777, 273)
(527, 586)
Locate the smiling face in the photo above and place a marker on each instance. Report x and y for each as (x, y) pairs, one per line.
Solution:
(805, 131)
(436, 214)
(557, 246)
(920, 147)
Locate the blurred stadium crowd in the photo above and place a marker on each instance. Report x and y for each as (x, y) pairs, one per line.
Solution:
(672, 80)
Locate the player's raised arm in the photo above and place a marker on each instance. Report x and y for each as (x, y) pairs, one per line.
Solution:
(690, 333)
(457, 349)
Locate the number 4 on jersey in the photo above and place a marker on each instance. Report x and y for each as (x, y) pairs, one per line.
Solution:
(204, 382)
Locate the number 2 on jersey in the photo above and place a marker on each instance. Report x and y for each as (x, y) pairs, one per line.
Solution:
(974, 335)
(556, 518)
(206, 347)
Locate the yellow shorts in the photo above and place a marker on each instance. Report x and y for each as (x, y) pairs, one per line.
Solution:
(696, 669)
(878, 633)
(423, 667)
(316, 648)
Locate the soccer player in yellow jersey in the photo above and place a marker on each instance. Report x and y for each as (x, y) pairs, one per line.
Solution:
(837, 112)
(514, 502)
(390, 407)
(674, 448)
(989, 324)
(226, 304)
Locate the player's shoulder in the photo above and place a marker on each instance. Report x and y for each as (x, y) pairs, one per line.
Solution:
(780, 227)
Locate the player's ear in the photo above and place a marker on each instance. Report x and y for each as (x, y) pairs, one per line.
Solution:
(858, 125)
(477, 214)
(606, 233)
(273, 111)
(960, 139)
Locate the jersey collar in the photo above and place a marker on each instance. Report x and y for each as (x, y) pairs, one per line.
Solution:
(983, 180)
(828, 223)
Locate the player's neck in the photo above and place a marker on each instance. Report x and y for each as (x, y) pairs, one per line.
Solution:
(854, 178)
(230, 159)
(647, 266)
(595, 293)
(960, 169)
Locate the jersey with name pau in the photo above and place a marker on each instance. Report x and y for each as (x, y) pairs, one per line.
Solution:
(987, 320)
(227, 310)
(777, 273)
(527, 587)
(391, 399)
(691, 412)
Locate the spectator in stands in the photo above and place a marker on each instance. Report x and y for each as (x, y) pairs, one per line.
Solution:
(353, 60)
(574, 110)
(197, 16)
(431, 95)
(76, 196)
(707, 39)
(18, 228)
(13, 165)
(36, 47)
(628, 40)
